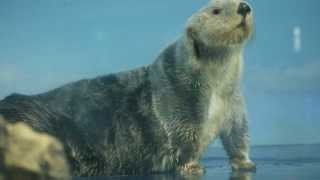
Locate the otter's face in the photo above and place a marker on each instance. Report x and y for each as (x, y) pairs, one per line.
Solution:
(223, 23)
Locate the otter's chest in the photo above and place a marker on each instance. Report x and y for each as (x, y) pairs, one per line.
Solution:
(216, 112)
(215, 117)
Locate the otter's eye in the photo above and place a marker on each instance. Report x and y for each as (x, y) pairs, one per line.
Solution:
(216, 11)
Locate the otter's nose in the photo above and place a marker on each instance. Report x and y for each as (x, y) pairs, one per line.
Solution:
(244, 9)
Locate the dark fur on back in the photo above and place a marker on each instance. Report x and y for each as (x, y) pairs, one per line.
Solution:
(102, 122)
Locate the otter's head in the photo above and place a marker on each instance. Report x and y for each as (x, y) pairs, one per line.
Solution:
(221, 24)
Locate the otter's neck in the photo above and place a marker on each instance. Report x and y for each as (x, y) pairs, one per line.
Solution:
(205, 54)
(216, 69)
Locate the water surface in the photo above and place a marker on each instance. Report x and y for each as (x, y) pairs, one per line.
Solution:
(279, 162)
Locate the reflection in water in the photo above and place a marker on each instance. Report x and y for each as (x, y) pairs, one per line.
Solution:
(241, 176)
(233, 176)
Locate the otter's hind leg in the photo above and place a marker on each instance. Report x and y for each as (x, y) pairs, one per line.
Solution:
(236, 144)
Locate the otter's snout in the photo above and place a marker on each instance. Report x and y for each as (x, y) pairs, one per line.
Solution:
(244, 9)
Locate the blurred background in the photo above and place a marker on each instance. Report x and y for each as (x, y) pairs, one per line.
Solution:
(45, 44)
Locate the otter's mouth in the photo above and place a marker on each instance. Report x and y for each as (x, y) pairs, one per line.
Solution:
(243, 23)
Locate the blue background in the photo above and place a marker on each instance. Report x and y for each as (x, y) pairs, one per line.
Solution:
(45, 44)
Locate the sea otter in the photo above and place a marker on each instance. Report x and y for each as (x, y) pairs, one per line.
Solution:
(160, 117)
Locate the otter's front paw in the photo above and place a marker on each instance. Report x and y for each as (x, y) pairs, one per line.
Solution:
(192, 168)
(242, 165)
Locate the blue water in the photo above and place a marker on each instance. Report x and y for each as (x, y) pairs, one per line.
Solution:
(280, 162)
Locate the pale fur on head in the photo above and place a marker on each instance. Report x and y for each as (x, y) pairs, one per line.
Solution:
(219, 32)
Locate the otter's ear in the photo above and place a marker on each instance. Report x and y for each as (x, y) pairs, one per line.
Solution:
(193, 39)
